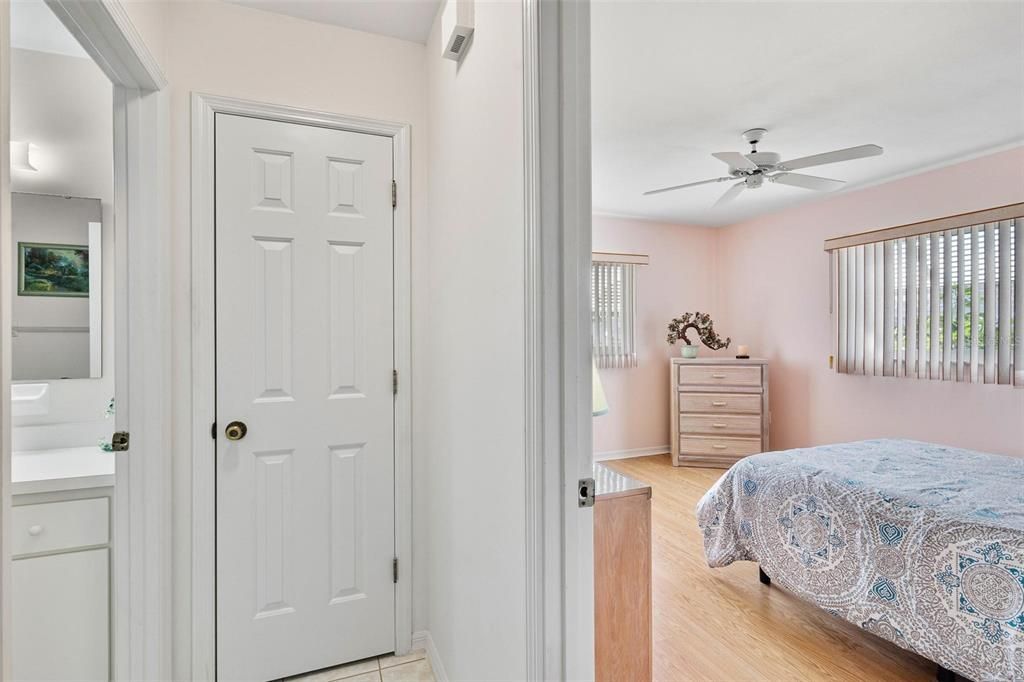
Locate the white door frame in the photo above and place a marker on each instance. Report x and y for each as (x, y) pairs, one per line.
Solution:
(140, 610)
(559, 552)
(204, 595)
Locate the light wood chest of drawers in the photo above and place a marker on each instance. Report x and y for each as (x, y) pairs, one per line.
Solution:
(719, 411)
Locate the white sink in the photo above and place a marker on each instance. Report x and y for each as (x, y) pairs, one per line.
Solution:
(30, 399)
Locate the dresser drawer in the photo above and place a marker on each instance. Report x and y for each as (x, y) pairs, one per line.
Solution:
(719, 375)
(719, 447)
(724, 425)
(720, 403)
(56, 526)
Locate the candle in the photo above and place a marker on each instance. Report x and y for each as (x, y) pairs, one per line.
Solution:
(742, 351)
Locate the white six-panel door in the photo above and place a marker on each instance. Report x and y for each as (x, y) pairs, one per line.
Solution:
(305, 352)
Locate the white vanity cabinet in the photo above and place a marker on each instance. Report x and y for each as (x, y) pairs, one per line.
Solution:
(60, 546)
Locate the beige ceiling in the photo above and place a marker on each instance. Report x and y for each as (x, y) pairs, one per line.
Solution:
(675, 81)
(405, 19)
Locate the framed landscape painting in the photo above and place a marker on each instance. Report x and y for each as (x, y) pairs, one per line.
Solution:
(53, 270)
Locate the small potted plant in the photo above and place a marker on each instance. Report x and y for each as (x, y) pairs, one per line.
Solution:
(700, 323)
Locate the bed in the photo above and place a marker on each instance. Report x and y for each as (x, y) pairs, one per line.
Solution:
(920, 544)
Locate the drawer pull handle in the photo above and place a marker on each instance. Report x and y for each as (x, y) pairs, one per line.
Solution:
(718, 403)
(718, 446)
(719, 426)
(717, 376)
(35, 530)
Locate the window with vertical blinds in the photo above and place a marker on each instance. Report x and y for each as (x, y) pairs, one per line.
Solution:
(945, 305)
(613, 300)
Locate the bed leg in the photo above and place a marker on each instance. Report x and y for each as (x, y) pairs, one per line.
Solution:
(763, 577)
(944, 674)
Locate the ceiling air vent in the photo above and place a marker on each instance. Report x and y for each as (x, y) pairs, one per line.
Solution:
(456, 28)
(456, 47)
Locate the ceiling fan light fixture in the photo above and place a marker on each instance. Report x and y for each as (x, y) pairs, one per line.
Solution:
(751, 169)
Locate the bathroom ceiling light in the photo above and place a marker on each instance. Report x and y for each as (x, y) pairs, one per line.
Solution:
(20, 156)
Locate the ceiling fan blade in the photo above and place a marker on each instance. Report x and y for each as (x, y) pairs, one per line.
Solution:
(848, 154)
(735, 160)
(689, 184)
(731, 193)
(807, 181)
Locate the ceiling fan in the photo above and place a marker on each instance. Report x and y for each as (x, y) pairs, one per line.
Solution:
(754, 168)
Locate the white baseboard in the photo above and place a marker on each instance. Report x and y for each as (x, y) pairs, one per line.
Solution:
(423, 640)
(627, 454)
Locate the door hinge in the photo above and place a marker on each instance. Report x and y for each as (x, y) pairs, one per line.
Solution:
(394, 194)
(394, 569)
(213, 430)
(119, 441)
(394, 381)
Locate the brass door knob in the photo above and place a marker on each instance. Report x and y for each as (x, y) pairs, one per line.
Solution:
(236, 431)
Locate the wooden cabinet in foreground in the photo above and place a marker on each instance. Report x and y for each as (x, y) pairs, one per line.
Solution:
(622, 578)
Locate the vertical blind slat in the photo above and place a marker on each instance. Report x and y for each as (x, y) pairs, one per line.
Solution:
(615, 317)
(629, 329)
(869, 309)
(605, 313)
(594, 315)
(1018, 303)
(858, 339)
(901, 308)
(947, 306)
(934, 293)
(922, 307)
(889, 308)
(990, 303)
(613, 333)
(879, 308)
(625, 345)
(976, 300)
(961, 357)
(912, 301)
(601, 312)
(1005, 303)
(842, 285)
(851, 315)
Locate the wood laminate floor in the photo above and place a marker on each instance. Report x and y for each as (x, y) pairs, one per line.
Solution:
(722, 624)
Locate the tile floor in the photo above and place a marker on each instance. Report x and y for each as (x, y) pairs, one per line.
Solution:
(413, 667)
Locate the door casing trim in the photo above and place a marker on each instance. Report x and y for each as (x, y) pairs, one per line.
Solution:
(140, 609)
(557, 206)
(204, 597)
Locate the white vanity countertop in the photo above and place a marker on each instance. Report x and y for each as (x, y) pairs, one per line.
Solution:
(43, 471)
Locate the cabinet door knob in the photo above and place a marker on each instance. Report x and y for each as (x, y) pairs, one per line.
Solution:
(717, 376)
(718, 446)
(719, 403)
(35, 530)
(719, 426)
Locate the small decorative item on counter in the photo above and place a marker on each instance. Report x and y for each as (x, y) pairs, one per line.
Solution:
(700, 323)
(742, 352)
(106, 445)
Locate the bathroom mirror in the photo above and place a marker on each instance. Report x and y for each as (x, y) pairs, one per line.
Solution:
(62, 157)
(57, 310)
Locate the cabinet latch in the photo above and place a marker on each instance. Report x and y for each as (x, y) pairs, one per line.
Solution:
(119, 441)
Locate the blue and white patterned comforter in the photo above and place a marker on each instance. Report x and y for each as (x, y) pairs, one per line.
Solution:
(920, 544)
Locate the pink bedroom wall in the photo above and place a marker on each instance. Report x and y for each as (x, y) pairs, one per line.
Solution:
(680, 278)
(772, 290)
